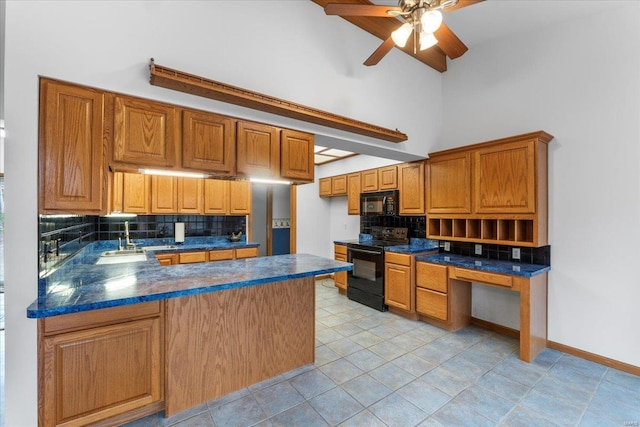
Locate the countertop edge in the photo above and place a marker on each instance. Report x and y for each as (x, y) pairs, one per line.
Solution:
(437, 259)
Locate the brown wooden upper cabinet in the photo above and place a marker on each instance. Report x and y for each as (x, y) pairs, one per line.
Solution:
(258, 148)
(411, 186)
(296, 149)
(190, 195)
(494, 192)
(388, 178)
(71, 154)
(339, 185)
(449, 183)
(353, 193)
(369, 179)
(324, 187)
(146, 132)
(131, 193)
(208, 142)
(164, 194)
(504, 178)
(223, 197)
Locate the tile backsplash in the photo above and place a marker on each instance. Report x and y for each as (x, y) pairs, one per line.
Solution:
(541, 255)
(63, 235)
(416, 225)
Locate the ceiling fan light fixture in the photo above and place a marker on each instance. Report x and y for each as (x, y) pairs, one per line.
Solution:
(431, 21)
(401, 35)
(427, 40)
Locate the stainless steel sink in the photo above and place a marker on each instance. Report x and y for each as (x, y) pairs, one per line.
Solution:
(122, 256)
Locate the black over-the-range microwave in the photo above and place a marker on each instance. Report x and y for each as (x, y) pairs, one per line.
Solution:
(379, 203)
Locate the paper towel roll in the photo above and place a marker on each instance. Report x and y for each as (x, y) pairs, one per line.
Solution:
(179, 232)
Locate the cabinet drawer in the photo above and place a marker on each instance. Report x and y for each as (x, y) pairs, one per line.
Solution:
(221, 255)
(191, 257)
(395, 258)
(246, 253)
(430, 303)
(105, 316)
(482, 277)
(432, 276)
(340, 249)
(167, 259)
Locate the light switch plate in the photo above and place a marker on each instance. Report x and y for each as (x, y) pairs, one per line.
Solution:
(447, 246)
(478, 249)
(515, 253)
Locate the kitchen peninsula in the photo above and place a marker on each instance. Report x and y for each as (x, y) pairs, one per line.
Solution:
(121, 341)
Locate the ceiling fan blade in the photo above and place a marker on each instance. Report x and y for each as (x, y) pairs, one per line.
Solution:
(380, 52)
(450, 44)
(461, 4)
(346, 9)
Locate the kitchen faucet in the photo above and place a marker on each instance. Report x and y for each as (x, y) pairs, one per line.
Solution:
(128, 243)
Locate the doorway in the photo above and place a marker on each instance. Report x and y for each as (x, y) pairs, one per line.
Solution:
(272, 222)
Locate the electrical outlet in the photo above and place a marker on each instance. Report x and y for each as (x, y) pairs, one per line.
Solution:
(478, 249)
(447, 246)
(515, 253)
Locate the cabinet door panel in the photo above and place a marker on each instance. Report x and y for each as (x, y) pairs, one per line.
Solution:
(240, 198)
(340, 278)
(449, 184)
(190, 195)
(411, 188)
(339, 185)
(505, 179)
(208, 142)
(258, 148)
(430, 303)
(94, 374)
(192, 257)
(353, 193)
(324, 187)
(72, 173)
(163, 194)
(145, 132)
(216, 196)
(221, 255)
(246, 253)
(397, 286)
(432, 276)
(388, 177)
(369, 180)
(297, 155)
(136, 193)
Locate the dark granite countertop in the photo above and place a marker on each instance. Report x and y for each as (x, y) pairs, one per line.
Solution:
(415, 246)
(81, 285)
(482, 264)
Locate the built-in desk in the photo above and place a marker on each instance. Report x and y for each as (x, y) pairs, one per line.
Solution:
(443, 293)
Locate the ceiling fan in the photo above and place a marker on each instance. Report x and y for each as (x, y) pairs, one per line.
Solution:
(422, 18)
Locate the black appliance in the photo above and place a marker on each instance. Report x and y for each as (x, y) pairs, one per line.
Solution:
(379, 203)
(365, 282)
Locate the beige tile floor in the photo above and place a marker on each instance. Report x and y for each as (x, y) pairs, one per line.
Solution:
(379, 369)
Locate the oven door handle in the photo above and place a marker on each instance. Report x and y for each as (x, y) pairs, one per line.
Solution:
(364, 251)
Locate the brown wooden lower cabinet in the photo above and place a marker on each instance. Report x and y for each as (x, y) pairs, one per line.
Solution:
(204, 256)
(443, 297)
(103, 364)
(340, 278)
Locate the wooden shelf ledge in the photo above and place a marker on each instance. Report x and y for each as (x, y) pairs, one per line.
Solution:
(200, 86)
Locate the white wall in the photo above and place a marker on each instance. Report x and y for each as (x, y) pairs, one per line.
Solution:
(581, 83)
(286, 49)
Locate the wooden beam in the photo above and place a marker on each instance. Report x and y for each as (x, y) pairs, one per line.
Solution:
(201, 86)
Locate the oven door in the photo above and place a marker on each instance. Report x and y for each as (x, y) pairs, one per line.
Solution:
(368, 270)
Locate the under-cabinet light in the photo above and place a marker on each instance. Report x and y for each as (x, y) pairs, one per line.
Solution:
(120, 215)
(173, 173)
(269, 181)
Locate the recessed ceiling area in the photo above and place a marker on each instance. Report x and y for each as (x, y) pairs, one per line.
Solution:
(324, 155)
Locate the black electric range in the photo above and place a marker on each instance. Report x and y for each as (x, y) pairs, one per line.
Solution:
(365, 282)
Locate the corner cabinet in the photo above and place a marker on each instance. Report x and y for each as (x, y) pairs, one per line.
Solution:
(493, 192)
(106, 364)
(72, 149)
